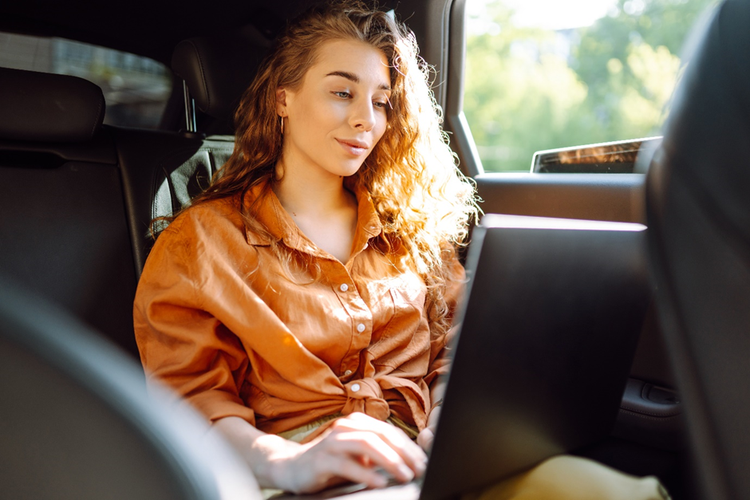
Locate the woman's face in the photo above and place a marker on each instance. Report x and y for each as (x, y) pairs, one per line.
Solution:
(338, 114)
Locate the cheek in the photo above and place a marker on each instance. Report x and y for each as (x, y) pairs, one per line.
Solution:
(311, 125)
(324, 117)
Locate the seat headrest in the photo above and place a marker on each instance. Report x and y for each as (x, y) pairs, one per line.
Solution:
(44, 107)
(217, 70)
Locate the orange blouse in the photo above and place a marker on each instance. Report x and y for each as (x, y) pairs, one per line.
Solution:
(221, 321)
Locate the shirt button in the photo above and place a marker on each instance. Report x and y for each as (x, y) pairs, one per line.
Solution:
(361, 327)
(355, 387)
(344, 287)
(347, 372)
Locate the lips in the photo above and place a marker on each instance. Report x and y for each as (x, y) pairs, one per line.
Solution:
(353, 146)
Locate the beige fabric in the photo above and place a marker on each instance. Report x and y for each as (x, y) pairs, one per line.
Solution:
(301, 434)
(573, 478)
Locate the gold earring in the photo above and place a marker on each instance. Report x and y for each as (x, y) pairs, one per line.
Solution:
(281, 119)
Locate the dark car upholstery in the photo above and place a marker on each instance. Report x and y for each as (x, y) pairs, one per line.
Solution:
(218, 69)
(62, 218)
(162, 172)
(78, 198)
(698, 210)
(75, 205)
(53, 108)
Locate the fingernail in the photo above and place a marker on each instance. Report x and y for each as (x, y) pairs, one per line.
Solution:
(381, 481)
(406, 472)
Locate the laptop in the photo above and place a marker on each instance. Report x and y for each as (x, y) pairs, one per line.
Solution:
(548, 329)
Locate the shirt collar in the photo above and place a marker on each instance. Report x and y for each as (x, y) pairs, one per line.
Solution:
(263, 205)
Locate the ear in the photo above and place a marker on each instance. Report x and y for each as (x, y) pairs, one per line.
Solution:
(281, 95)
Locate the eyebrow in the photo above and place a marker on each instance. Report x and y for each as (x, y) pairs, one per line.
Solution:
(354, 78)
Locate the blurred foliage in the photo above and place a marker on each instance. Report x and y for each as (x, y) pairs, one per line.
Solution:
(529, 89)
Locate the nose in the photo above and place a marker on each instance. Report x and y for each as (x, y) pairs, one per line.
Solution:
(362, 115)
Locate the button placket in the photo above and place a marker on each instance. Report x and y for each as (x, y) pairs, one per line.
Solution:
(359, 326)
(344, 286)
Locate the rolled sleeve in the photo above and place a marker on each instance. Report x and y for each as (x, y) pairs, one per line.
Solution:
(181, 343)
(216, 404)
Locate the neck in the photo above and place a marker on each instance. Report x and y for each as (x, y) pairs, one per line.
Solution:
(310, 194)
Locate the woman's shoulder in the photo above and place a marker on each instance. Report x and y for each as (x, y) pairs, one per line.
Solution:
(215, 215)
(207, 226)
(206, 235)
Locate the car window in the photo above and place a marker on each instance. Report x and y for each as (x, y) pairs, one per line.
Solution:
(135, 88)
(544, 74)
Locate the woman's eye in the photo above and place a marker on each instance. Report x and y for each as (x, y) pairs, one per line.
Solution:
(342, 94)
(380, 104)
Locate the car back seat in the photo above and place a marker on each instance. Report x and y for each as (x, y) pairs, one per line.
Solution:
(63, 225)
(78, 197)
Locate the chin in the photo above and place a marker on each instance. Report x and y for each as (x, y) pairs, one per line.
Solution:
(347, 172)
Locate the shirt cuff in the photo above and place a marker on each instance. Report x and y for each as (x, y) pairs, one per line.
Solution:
(216, 405)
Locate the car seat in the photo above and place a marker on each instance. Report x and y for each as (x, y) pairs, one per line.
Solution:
(63, 228)
(77, 422)
(698, 213)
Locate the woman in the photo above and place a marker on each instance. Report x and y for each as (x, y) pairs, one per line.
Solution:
(303, 302)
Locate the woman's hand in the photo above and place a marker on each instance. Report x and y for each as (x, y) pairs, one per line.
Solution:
(356, 448)
(427, 435)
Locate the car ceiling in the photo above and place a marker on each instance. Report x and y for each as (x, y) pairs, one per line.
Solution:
(146, 27)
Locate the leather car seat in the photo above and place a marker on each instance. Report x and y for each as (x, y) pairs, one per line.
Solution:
(698, 213)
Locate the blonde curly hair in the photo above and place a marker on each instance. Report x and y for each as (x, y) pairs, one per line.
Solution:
(423, 200)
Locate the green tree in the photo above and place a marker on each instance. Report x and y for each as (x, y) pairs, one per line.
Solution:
(529, 89)
(519, 93)
(628, 61)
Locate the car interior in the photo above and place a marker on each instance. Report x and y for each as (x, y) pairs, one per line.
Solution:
(78, 424)
(78, 198)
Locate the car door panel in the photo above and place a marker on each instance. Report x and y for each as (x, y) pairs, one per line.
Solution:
(609, 197)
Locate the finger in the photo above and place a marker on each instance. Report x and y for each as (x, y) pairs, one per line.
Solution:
(348, 468)
(373, 448)
(432, 420)
(425, 439)
(410, 452)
